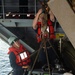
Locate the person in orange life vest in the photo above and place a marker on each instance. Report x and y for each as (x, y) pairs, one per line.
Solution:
(43, 25)
(43, 28)
(19, 56)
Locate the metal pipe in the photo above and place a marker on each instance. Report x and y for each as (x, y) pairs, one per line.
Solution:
(3, 9)
(35, 7)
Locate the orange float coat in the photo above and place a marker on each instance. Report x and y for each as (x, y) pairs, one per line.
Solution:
(51, 31)
(22, 55)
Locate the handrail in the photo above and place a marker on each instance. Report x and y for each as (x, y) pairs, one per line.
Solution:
(6, 7)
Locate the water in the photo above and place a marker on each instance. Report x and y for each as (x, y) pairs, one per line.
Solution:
(5, 67)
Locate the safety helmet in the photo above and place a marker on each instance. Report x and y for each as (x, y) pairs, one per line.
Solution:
(12, 39)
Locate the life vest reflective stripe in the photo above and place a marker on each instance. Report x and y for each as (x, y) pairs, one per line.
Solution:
(51, 31)
(22, 55)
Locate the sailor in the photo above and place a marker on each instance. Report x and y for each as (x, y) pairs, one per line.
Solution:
(19, 56)
(43, 25)
(44, 29)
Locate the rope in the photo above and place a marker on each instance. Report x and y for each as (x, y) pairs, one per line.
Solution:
(43, 43)
(52, 47)
(47, 57)
(44, 5)
(36, 58)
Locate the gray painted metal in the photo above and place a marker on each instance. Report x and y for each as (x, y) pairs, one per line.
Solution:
(16, 22)
(65, 17)
(5, 34)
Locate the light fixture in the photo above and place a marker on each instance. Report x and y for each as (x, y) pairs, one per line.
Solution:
(28, 15)
(19, 15)
(7, 14)
(13, 15)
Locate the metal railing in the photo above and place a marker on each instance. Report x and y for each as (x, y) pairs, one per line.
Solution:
(15, 10)
(10, 10)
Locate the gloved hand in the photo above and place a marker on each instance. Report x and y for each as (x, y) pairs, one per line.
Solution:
(27, 67)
